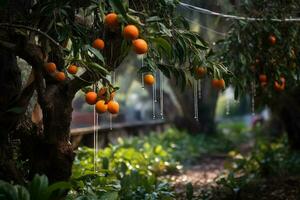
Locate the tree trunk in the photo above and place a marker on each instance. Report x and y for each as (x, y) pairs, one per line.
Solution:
(287, 107)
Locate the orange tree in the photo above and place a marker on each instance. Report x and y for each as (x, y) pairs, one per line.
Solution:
(264, 56)
(70, 45)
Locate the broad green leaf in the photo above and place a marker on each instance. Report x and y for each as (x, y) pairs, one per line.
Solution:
(118, 6)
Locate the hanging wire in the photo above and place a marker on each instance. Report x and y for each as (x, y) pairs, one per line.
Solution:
(161, 95)
(153, 101)
(234, 17)
(199, 89)
(205, 27)
(94, 123)
(112, 80)
(195, 89)
(253, 94)
(142, 76)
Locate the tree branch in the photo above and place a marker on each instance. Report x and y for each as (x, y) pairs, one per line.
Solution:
(7, 25)
(7, 45)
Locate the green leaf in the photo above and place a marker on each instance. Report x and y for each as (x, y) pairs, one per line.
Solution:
(98, 68)
(96, 53)
(17, 110)
(118, 6)
(164, 45)
(23, 193)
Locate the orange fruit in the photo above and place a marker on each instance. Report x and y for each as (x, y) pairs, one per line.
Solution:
(60, 76)
(98, 44)
(72, 69)
(218, 83)
(113, 107)
(279, 86)
(131, 32)
(201, 71)
(149, 79)
(91, 98)
(140, 46)
(272, 40)
(50, 67)
(111, 20)
(101, 107)
(263, 78)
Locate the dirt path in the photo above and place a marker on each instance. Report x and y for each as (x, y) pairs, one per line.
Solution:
(201, 176)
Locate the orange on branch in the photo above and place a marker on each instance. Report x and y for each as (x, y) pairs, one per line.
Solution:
(140, 46)
(91, 98)
(60, 76)
(72, 69)
(98, 44)
(131, 32)
(113, 107)
(101, 107)
(279, 86)
(50, 67)
(149, 79)
(201, 71)
(272, 40)
(111, 20)
(263, 78)
(218, 83)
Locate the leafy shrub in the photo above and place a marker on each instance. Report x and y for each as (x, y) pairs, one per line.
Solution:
(37, 189)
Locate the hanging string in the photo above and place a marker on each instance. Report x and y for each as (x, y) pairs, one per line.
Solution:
(94, 123)
(234, 17)
(199, 89)
(112, 80)
(142, 76)
(195, 89)
(153, 100)
(253, 94)
(161, 95)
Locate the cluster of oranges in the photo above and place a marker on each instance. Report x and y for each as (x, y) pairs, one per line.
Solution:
(278, 85)
(103, 101)
(51, 68)
(218, 84)
(130, 32)
(263, 79)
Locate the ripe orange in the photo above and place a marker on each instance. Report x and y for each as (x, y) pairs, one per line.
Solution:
(201, 71)
(149, 79)
(131, 32)
(279, 86)
(218, 83)
(98, 44)
(101, 107)
(60, 76)
(113, 107)
(140, 46)
(50, 67)
(263, 78)
(272, 40)
(111, 20)
(72, 69)
(91, 98)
